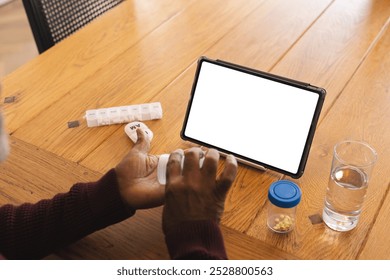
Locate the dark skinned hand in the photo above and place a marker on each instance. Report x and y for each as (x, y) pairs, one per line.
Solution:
(137, 176)
(196, 193)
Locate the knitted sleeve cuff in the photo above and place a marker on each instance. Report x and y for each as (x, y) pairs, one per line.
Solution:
(196, 240)
(105, 200)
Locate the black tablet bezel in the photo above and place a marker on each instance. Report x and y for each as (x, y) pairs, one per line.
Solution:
(320, 91)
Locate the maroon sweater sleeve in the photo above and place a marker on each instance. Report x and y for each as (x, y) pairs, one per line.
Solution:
(197, 240)
(32, 231)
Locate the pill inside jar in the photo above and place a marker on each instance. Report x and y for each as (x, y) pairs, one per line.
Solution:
(284, 197)
(282, 223)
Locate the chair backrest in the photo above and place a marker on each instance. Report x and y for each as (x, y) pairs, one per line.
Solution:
(53, 20)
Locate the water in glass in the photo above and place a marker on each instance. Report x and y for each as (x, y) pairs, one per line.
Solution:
(345, 196)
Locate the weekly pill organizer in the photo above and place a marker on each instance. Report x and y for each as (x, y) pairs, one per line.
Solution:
(263, 119)
(123, 114)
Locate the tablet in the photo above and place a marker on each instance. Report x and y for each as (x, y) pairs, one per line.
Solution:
(264, 120)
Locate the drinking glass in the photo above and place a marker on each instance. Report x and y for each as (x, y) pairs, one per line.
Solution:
(350, 174)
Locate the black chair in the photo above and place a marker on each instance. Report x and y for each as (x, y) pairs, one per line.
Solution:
(53, 20)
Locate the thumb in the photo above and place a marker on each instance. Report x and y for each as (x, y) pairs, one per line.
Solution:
(143, 143)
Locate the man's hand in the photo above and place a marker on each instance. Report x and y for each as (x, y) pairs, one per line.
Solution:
(195, 193)
(137, 176)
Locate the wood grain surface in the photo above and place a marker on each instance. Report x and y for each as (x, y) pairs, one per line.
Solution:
(146, 51)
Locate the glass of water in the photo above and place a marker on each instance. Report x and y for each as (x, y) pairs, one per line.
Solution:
(350, 174)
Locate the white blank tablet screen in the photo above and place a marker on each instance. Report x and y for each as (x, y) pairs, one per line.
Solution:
(251, 116)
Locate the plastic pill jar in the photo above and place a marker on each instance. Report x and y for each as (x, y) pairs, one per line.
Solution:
(284, 197)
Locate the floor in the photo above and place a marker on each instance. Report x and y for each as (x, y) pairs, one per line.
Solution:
(17, 44)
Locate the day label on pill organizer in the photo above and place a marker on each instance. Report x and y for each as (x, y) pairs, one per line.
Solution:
(123, 114)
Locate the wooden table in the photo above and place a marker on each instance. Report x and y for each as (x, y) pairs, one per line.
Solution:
(146, 51)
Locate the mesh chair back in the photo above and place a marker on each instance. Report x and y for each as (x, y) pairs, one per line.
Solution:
(53, 20)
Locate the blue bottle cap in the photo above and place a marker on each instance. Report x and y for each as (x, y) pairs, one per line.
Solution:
(284, 194)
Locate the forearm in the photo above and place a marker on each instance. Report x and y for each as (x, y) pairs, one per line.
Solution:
(31, 231)
(196, 240)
